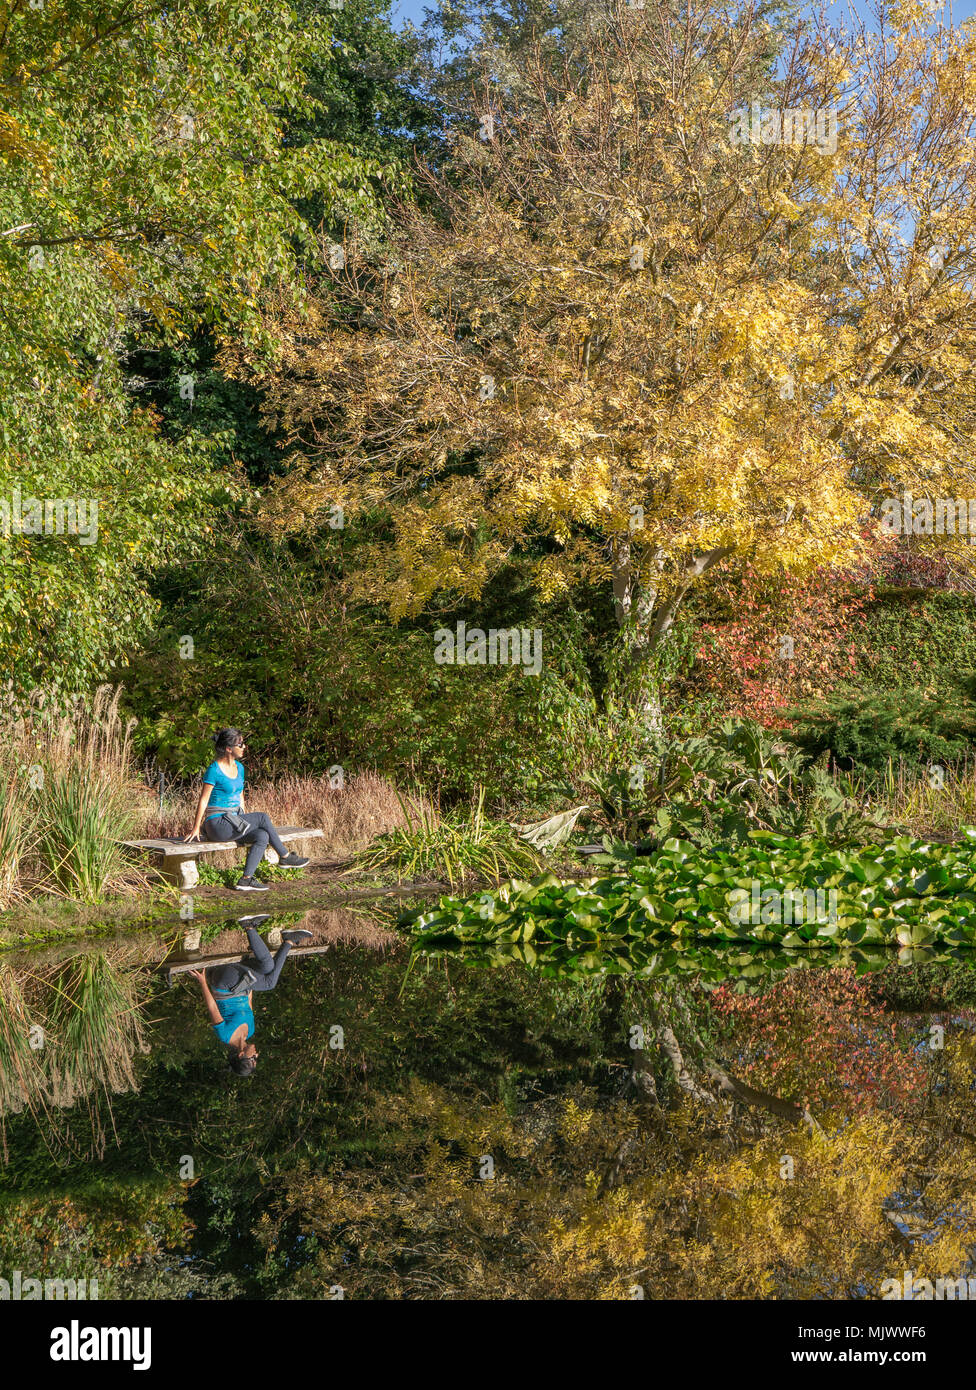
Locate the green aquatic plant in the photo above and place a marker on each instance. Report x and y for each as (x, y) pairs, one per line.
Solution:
(718, 787)
(772, 891)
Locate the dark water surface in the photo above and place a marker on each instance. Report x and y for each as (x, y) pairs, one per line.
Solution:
(467, 1125)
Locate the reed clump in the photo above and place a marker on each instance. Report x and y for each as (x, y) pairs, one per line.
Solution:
(935, 800)
(67, 792)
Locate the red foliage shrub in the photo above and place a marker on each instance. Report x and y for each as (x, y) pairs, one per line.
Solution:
(818, 1035)
(781, 642)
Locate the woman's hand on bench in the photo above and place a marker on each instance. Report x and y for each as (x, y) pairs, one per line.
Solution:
(192, 838)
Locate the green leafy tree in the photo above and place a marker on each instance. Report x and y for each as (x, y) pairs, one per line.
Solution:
(147, 187)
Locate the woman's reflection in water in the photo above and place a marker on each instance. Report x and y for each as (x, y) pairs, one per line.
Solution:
(228, 992)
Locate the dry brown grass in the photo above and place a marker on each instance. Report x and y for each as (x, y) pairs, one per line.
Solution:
(329, 926)
(350, 816)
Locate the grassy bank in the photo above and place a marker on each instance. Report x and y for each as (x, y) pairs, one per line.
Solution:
(70, 791)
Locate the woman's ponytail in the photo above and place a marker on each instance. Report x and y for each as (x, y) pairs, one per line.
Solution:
(226, 738)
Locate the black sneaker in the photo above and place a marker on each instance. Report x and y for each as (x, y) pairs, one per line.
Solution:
(293, 861)
(251, 885)
(297, 936)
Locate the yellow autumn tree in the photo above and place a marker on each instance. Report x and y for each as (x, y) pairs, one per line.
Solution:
(704, 1205)
(670, 302)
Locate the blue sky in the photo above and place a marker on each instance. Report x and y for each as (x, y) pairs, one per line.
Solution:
(960, 10)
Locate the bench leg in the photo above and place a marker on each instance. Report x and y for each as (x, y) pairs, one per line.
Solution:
(183, 873)
(189, 878)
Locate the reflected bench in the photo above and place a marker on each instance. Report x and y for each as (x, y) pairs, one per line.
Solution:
(179, 965)
(177, 861)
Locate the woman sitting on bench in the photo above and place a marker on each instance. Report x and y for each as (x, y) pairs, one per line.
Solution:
(224, 817)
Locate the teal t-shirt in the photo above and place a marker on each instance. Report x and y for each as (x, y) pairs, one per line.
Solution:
(226, 794)
(234, 1011)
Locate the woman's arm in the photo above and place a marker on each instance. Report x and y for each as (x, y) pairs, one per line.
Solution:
(211, 1004)
(201, 807)
(241, 766)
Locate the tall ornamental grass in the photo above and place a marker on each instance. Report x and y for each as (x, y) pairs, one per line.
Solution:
(83, 815)
(67, 795)
(455, 849)
(16, 840)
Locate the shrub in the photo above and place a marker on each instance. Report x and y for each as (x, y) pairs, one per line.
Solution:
(720, 786)
(867, 731)
(767, 643)
(913, 639)
(314, 684)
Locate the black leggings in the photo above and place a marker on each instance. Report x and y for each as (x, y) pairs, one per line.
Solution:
(227, 977)
(260, 833)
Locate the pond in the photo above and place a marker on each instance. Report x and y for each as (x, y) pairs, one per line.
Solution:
(471, 1121)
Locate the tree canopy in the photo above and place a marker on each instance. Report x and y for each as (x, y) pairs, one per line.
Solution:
(147, 188)
(645, 331)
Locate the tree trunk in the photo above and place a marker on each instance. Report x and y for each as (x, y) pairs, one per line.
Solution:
(645, 618)
(722, 1082)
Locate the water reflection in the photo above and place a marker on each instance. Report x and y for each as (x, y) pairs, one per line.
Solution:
(715, 1125)
(71, 1026)
(228, 993)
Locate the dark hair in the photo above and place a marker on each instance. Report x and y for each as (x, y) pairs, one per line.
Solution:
(239, 1064)
(226, 738)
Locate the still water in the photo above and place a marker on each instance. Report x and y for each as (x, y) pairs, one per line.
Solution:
(466, 1125)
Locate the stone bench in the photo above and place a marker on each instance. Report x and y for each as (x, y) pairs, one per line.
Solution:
(177, 861)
